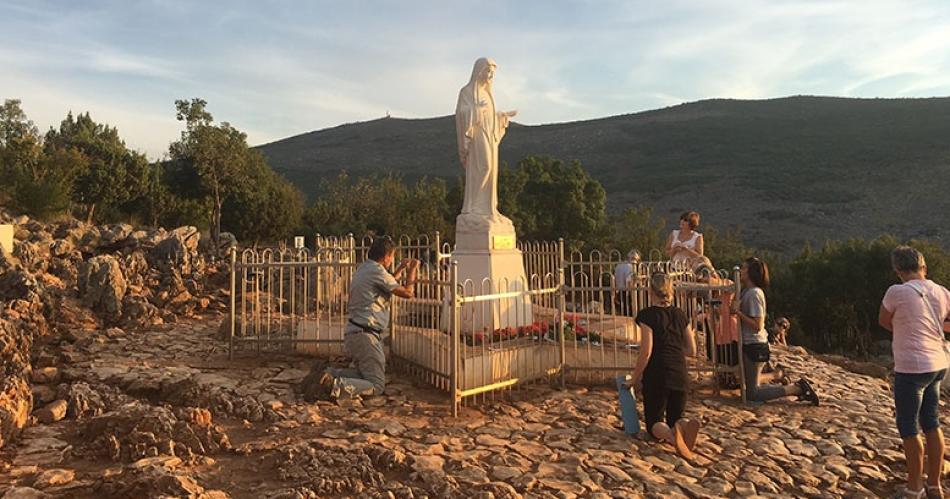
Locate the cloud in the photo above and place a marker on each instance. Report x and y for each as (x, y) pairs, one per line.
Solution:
(276, 69)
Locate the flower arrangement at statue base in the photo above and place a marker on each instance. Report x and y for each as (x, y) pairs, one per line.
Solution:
(576, 329)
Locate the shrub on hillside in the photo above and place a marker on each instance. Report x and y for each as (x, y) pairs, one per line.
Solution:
(833, 294)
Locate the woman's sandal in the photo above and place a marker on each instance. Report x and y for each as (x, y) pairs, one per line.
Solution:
(910, 494)
(808, 392)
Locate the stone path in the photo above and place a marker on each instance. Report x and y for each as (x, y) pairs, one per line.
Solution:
(162, 411)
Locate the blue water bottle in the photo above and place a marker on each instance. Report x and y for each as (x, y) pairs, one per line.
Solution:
(628, 406)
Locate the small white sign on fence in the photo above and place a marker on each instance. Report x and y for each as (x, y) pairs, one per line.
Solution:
(298, 242)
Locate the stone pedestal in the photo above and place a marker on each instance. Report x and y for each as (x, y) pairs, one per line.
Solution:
(490, 263)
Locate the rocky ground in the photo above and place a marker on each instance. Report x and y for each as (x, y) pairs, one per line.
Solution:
(162, 411)
(116, 385)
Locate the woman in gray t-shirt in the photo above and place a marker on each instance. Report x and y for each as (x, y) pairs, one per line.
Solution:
(750, 310)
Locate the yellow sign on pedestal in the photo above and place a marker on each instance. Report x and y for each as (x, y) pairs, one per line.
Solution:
(503, 242)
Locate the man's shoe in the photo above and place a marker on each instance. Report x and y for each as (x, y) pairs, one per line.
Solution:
(317, 384)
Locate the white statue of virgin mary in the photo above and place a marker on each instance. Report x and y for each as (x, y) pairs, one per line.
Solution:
(480, 129)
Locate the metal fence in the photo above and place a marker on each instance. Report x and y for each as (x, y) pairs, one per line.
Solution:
(286, 297)
(567, 320)
(297, 299)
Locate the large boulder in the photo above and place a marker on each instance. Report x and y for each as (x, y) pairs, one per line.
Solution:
(16, 282)
(15, 345)
(138, 312)
(35, 256)
(111, 236)
(146, 239)
(137, 430)
(178, 250)
(102, 285)
(16, 397)
(16, 403)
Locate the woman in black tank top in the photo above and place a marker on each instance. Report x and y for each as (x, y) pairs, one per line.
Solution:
(666, 339)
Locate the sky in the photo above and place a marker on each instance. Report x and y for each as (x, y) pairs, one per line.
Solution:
(275, 69)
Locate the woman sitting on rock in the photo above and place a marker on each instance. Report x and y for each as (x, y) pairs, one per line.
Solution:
(750, 310)
(666, 337)
(917, 312)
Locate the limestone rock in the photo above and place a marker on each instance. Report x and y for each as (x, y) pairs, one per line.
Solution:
(52, 412)
(135, 430)
(16, 402)
(178, 249)
(82, 400)
(427, 463)
(149, 482)
(45, 375)
(25, 493)
(53, 478)
(102, 285)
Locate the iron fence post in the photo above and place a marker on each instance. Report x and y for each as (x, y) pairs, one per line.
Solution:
(233, 302)
(742, 380)
(454, 373)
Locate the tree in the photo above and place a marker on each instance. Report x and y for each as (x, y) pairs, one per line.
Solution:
(269, 211)
(35, 181)
(44, 191)
(113, 175)
(216, 153)
(20, 145)
(727, 250)
(638, 228)
(380, 204)
(558, 200)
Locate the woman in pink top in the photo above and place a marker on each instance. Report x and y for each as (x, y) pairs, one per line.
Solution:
(917, 312)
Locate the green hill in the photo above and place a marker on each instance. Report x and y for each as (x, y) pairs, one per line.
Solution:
(783, 170)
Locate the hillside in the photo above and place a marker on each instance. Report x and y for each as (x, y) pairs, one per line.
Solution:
(784, 170)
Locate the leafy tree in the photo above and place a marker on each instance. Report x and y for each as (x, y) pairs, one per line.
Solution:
(217, 154)
(637, 228)
(726, 249)
(510, 185)
(380, 205)
(558, 200)
(426, 209)
(270, 211)
(833, 294)
(20, 145)
(113, 174)
(35, 181)
(44, 190)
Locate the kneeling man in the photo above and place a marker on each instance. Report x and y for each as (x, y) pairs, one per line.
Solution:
(368, 321)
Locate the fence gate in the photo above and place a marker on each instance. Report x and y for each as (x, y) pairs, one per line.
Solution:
(449, 334)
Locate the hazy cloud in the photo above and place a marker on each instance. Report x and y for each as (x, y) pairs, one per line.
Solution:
(276, 68)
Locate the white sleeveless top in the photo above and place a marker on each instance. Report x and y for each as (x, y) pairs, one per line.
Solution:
(689, 243)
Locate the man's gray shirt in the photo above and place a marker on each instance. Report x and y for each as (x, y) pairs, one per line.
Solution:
(370, 294)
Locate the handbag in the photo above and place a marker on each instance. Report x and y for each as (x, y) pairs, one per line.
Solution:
(757, 352)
